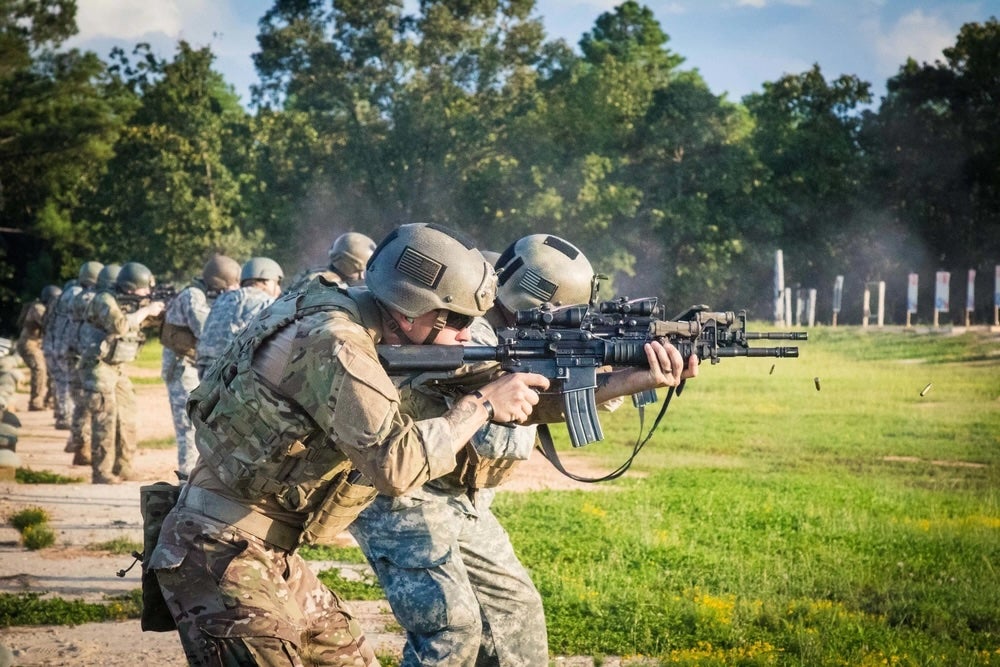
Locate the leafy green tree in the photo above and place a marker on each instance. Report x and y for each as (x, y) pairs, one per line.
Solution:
(57, 125)
(938, 149)
(172, 195)
(408, 108)
(812, 203)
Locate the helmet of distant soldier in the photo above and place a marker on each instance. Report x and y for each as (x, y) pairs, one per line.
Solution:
(108, 275)
(542, 268)
(350, 253)
(50, 292)
(491, 256)
(133, 277)
(261, 268)
(220, 272)
(423, 267)
(88, 273)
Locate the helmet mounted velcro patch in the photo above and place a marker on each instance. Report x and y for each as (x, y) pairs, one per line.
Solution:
(419, 267)
(534, 284)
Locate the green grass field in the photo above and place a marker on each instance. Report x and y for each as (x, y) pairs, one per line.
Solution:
(771, 523)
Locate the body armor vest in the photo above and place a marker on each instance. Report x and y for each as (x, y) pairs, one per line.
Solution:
(259, 442)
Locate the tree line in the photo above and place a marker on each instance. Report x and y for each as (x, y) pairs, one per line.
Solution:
(464, 113)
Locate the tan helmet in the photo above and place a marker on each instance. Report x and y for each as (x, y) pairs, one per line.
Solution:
(261, 268)
(420, 267)
(220, 272)
(542, 268)
(350, 252)
(88, 273)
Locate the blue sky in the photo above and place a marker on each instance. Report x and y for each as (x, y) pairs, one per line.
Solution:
(737, 45)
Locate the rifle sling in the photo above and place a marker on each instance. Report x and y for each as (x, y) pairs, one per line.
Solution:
(548, 448)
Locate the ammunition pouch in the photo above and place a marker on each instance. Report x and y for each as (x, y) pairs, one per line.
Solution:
(179, 339)
(120, 349)
(155, 502)
(476, 472)
(349, 493)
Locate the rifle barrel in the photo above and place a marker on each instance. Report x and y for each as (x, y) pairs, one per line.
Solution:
(777, 335)
(758, 352)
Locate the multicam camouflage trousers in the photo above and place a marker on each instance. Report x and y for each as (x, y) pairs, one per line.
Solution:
(181, 377)
(111, 400)
(237, 601)
(34, 359)
(453, 581)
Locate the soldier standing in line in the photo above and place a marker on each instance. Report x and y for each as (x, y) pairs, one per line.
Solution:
(29, 346)
(55, 343)
(260, 284)
(183, 323)
(93, 276)
(111, 338)
(346, 267)
(292, 422)
(446, 564)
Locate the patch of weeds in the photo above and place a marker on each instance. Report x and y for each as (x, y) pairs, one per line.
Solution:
(29, 516)
(326, 552)
(29, 476)
(158, 443)
(366, 588)
(118, 546)
(31, 609)
(38, 537)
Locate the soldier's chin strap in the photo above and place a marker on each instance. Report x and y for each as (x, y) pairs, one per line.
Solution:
(548, 448)
(392, 325)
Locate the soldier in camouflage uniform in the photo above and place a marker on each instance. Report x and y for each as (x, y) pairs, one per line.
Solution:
(183, 323)
(29, 346)
(260, 284)
(346, 267)
(445, 563)
(93, 276)
(297, 426)
(57, 327)
(111, 336)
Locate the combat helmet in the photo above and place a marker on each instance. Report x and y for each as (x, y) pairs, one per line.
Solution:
(107, 276)
(134, 276)
(88, 273)
(542, 268)
(50, 293)
(350, 252)
(423, 267)
(220, 272)
(261, 268)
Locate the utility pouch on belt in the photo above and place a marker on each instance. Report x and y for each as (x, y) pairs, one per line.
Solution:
(477, 472)
(349, 493)
(179, 339)
(155, 501)
(120, 349)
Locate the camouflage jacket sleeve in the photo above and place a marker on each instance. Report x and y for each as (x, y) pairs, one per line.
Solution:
(334, 373)
(189, 309)
(105, 314)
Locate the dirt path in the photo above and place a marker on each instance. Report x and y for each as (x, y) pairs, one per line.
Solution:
(84, 515)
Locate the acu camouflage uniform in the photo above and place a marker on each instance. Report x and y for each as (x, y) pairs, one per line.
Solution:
(228, 316)
(29, 346)
(55, 343)
(109, 340)
(188, 310)
(295, 410)
(446, 564)
(79, 428)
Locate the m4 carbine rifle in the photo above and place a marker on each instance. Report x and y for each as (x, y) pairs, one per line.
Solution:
(129, 303)
(568, 346)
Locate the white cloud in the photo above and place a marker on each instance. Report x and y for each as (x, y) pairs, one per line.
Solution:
(915, 35)
(127, 19)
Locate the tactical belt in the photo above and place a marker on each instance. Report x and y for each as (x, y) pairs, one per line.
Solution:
(281, 535)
